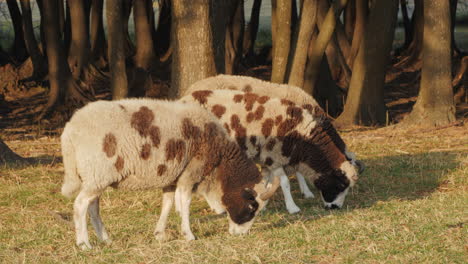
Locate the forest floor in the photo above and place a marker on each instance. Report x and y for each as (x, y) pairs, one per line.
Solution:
(409, 206)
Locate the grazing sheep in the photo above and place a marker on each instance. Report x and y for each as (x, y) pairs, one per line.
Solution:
(136, 144)
(290, 94)
(277, 133)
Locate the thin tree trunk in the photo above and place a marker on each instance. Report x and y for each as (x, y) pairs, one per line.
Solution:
(62, 86)
(453, 22)
(252, 29)
(361, 18)
(67, 34)
(98, 39)
(324, 36)
(163, 31)
(80, 49)
(299, 52)
(193, 56)
(128, 44)
(235, 38)
(435, 105)
(412, 55)
(365, 103)
(116, 49)
(350, 19)
(38, 61)
(19, 47)
(141, 79)
(274, 27)
(282, 41)
(406, 24)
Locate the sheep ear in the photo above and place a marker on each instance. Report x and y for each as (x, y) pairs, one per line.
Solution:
(249, 194)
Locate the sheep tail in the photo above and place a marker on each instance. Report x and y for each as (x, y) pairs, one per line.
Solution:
(72, 181)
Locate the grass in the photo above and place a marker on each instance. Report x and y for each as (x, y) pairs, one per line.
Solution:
(410, 206)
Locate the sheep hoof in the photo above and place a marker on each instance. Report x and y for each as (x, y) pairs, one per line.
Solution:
(308, 195)
(85, 246)
(189, 236)
(294, 210)
(161, 236)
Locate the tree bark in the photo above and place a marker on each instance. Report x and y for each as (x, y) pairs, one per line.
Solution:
(435, 105)
(299, 51)
(235, 38)
(80, 48)
(193, 56)
(163, 31)
(128, 44)
(412, 55)
(282, 41)
(19, 48)
(141, 80)
(324, 36)
(62, 86)
(350, 19)
(361, 18)
(252, 29)
(406, 23)
(116, 49)
(220, 16)
(98, 38)
(453, 22)
(365, 103)
(38, 61)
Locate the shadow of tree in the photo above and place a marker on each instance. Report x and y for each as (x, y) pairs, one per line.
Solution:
(402, 177)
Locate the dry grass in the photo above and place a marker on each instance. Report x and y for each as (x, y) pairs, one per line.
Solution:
(410, 206)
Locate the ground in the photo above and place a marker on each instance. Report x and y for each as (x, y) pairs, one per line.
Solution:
(409, 206)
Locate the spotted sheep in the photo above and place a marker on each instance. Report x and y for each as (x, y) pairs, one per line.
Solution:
(278, 133)
(139, 144)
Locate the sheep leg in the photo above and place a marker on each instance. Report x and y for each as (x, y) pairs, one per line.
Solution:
(286, 188)
(303, 186)
(80, 206)
(96, 220)
(167, 202)
(183, 197)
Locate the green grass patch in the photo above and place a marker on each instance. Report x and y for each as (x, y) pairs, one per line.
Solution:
(409, 206)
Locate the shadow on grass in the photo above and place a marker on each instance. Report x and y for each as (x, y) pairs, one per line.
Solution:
(32, 161)
(402, 177)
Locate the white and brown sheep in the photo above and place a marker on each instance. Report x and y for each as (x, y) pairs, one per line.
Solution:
(277, 133)
(136, 144)
(287, 92)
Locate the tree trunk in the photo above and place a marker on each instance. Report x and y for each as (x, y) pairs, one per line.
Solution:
(435, 106)
(324, 36)
(365, 103)
(19, 48)
(116, 49)
(350, 19)
(299, 52)
(67, 35)
(98, 39)
(128, 45)
(252, 29)
(38, 61)
(141, 79)
(193, 56)
(361, 18)
(221, 13)
(80, 49)
(412, 55)
(62, 86)
(406, 24)
(235, 38)
(162, 35)
(453, 22)
(282, 41)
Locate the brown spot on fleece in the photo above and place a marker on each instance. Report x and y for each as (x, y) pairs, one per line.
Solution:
(119, 164)
(189, 130)
(287, 102)
(218, 110)
(247, 88)
(145, 151)
(161, 169)
(263, 99)
(201, 96)
(109, 145)
(278, 119)
(267, 126)
(238, 98)
(226, 126)
(155, 136)
(141, 121)
(240, 131)
(257, 115)
(175, 149)
(308, 107)
(250, 99)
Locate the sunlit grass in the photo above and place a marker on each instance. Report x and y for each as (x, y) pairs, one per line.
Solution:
(410, 206)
